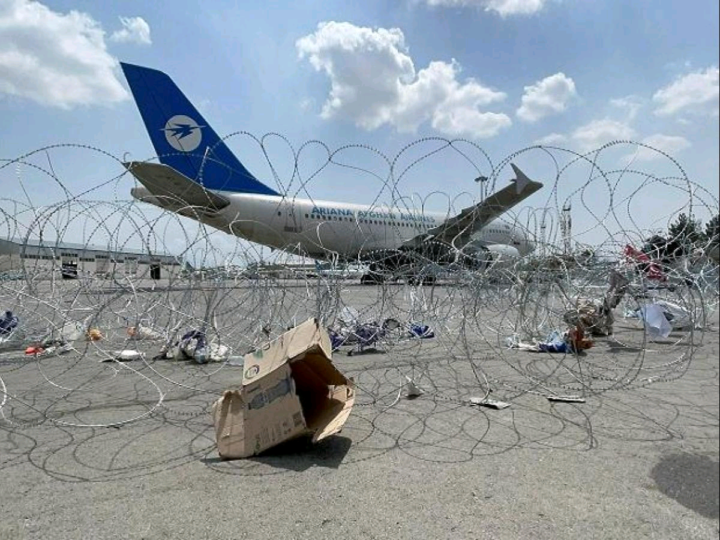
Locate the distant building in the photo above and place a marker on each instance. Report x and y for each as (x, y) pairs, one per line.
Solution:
(77, 260)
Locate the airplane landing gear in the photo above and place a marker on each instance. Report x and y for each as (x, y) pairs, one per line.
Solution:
(373, 277)
(427, 281)
(370, 279)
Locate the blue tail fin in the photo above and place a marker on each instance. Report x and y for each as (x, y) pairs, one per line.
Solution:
(183, 139)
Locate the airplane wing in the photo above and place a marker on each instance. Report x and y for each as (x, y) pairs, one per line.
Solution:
(166, 183)
(458, 229)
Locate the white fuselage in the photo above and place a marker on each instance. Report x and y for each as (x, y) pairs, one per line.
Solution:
(323, 228)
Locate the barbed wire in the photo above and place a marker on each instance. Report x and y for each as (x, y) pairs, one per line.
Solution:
(105, 348)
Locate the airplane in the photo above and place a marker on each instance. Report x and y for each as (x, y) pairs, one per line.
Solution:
(199, 177)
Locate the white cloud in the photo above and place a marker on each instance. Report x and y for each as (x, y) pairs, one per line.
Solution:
(669, 144)
(599, 132)
(689, 93)
(373, 82)
(134, 30)
(307, 104)
(548, 96)
(53, 58)
(631, 105)
(553, 139)
(504, 8)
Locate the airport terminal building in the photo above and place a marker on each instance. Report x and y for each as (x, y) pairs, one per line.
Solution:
(77, 260)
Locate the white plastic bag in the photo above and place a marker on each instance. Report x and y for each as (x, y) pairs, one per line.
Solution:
(656, 324)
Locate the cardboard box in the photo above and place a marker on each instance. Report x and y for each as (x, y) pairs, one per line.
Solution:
(290, 388)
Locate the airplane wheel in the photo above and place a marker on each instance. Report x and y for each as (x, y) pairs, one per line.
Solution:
(370, 279)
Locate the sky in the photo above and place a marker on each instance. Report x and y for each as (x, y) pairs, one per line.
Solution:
(371, 78)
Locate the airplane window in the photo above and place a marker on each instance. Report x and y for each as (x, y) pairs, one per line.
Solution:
(279, 213)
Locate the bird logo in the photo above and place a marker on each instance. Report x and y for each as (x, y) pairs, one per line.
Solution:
(183, 133)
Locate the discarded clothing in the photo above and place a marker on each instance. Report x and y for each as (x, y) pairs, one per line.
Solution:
(572, 341)
(8, 323)
(192, 345)
(554, 347)
(364, 335)
(421, 330)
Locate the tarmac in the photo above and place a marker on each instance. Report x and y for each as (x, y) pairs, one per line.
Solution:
(88, 449)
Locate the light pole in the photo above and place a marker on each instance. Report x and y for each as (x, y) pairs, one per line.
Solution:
(482, 180)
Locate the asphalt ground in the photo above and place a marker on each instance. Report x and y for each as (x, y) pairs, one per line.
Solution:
(93, 449)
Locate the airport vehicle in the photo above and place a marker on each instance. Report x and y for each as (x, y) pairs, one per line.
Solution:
(199, 177)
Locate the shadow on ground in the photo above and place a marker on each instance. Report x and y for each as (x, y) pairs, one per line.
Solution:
(301, 454)
(691, 480)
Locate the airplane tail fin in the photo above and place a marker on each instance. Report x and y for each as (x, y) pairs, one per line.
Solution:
(183, 139)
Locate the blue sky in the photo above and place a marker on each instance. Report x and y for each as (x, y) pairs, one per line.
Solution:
(505, 74)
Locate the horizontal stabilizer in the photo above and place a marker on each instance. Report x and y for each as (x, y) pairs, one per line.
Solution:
(164, 182)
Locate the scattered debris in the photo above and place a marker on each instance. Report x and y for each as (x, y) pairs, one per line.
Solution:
(572, 341)
(289, 388)
(48, 347)
(422, 331)
(365, 335)
(93, 334)
(596, 316)
(412, 391)
(566, 399)
(8, 323)
(487, 402)
(10, 335)
(193, 345)
(141, 332)
(128, 355)
(656, 324)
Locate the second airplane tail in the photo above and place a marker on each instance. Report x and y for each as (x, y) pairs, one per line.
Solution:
(183, 139)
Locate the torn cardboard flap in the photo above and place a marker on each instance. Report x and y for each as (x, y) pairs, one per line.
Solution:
(306, 338)
(290, 388)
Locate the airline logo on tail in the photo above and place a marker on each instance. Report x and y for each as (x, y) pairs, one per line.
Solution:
(183, 133)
